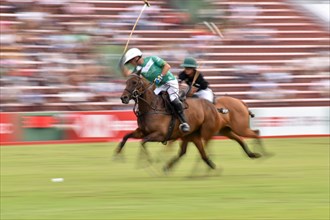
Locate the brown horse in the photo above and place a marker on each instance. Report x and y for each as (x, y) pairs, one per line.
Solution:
(154, 121)
(236, 124)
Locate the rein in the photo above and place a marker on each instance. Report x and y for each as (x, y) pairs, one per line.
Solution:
(136, 95)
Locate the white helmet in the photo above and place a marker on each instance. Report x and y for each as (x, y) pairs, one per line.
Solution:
(131, 53)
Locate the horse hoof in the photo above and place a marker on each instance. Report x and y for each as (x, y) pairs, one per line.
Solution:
(211, 164)
(255, 155)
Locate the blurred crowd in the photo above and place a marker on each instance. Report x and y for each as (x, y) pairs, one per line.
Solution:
(63, 52)
(49, 45)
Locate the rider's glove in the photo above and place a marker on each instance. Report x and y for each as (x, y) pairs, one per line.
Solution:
(158, 79)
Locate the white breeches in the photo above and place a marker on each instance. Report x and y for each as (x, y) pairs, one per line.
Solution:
(171, 87)
(205, 94)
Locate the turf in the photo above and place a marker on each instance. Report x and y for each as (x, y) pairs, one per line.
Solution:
(293, 184)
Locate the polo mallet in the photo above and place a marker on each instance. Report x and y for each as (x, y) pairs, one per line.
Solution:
(215, 30)
(146, 3)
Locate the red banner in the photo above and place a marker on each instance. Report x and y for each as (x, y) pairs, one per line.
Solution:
(38, 121)
(9, 129)
(111, 125)
(76, 126)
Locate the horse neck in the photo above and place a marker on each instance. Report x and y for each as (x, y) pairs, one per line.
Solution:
(146, 101)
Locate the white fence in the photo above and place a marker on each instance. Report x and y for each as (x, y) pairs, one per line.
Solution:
(291, 121)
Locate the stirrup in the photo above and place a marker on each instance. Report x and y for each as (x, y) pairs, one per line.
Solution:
(223, 110)
(184, 127)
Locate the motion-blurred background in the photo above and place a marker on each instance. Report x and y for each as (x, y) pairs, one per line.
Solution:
(60, 83)
(62, 55)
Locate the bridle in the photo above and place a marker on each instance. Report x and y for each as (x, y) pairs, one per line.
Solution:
(137, 95)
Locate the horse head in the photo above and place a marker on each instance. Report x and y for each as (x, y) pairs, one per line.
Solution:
(135, 87)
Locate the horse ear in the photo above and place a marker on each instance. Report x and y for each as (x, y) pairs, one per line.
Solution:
(136, 74)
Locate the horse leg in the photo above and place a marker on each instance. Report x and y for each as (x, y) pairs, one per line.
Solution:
(196, 166)
(183, 150)
(165, 152)
(206, 148)
(153, 137)
(135, 134)
(199, 144)
(144, 158)
(249, 133)
(230, 134)
(144, 151)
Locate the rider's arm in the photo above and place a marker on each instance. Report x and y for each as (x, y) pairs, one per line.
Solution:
(128, 69)
(182, 77)
(126, 72)
(166, 68)
(203, 84)
(161, 63)
(192, 90)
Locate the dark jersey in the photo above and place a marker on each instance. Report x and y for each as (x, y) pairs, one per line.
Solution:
(200, 82)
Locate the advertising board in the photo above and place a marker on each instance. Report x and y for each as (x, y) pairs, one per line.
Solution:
(99, 126)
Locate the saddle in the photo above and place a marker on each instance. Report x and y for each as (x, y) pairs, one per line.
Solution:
(183, 97)
(167, 102)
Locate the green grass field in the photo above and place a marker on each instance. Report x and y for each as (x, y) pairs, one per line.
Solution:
(293, 184)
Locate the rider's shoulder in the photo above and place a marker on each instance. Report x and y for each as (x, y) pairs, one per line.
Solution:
(156, 58)
(182, 73)
(200, 74)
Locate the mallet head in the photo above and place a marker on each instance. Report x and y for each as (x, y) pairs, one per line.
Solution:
(146, 2)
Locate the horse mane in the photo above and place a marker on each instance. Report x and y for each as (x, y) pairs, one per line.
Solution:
(144, 81)
(155, 102)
